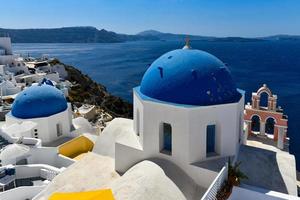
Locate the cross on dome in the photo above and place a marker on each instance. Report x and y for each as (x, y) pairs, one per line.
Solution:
(187, 43)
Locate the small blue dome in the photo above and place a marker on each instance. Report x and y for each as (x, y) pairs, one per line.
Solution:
(47, 81)
(188, 76)
(39, 101)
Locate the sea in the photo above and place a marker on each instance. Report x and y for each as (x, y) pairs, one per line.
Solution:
(120, 67)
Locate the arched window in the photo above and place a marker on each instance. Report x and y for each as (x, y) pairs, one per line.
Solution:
(210, 139)
(255, 123)
(270, 122)
(264, 99)
(166, 137)
(58, 130)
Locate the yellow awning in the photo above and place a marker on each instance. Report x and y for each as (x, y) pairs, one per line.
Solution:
(89, 195)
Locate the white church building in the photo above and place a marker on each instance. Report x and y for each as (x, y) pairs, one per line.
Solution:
(47, 110)
(187, 110)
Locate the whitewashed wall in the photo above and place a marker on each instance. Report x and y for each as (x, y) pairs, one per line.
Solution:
(49, 156)
(53, 77)
(188, 135)
(6, 59)
(5, 43)
(33, 170)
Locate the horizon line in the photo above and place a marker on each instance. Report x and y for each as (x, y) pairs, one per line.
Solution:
(150, 29)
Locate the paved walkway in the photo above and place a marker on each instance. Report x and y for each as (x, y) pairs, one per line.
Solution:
(268, 167)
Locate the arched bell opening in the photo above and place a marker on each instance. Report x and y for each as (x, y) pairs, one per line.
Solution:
(255, 123)
(270, 123)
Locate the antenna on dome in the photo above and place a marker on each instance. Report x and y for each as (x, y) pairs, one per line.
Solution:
(187, 43)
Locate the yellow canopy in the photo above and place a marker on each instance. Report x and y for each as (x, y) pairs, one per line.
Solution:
(89, 195)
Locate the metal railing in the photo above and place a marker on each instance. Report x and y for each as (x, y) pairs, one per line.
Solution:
(214, 188)
(48, 174)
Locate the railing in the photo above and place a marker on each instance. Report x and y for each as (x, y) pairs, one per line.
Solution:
(212, 191)
(48, 174)
(36, 170)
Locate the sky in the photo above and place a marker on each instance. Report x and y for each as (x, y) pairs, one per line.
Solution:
(246, 18)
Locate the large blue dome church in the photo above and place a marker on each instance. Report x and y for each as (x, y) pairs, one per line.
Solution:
(186, 110)
(188, 76)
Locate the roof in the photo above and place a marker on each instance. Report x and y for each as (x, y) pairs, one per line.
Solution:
(13, 151)
(192, 77)
(119, 130)
(92, 172)
(86, 108)
(39, 101)
(81, 122)
(17, 129)
(145, 180)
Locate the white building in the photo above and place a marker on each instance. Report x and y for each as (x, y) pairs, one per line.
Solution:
(5, 45)
(17, 66)
(30, 78)
(61, 70)
(47, 108)
(187, 110)
(87, 111)
(14, 63)
(8, 88)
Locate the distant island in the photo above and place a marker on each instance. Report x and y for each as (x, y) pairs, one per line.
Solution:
(93, 35)
(68, 35)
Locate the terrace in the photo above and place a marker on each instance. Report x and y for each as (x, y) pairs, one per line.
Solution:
(26, 175)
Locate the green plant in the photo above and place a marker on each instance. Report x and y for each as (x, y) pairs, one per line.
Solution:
(235, 175)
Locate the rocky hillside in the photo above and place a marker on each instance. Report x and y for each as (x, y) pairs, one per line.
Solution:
(69, 35)
(85, 90)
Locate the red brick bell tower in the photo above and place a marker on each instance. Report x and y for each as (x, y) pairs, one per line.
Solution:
(267, 121)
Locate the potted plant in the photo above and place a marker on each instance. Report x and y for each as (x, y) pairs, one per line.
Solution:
(235, 175)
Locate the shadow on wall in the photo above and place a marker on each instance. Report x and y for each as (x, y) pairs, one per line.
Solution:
(261, 167)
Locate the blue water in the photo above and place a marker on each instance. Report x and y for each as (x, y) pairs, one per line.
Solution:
(121, 66)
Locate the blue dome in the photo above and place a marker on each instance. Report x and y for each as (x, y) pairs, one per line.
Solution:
(192, 77)
(39, 101)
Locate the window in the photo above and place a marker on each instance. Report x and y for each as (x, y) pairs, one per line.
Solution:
(166, 136)
(58, 130)
(210, 139)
